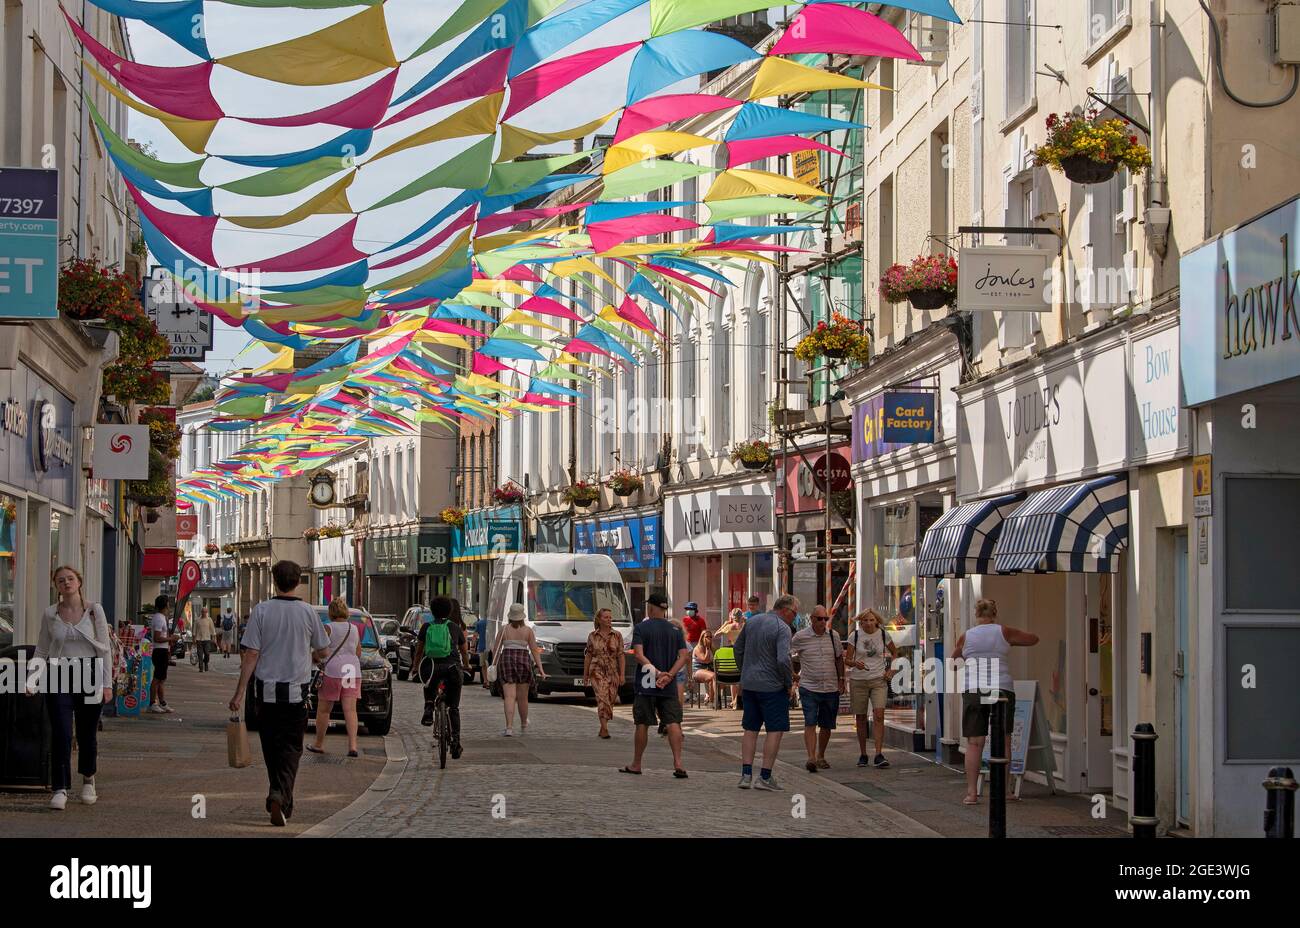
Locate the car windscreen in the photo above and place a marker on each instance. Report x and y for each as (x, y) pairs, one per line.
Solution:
(369, 639)
(574, 600)
(387, 627)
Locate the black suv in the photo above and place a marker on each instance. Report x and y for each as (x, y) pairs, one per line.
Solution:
(375, 707)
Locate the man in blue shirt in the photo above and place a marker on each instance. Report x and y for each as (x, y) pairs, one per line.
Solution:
(766, 683)
(661, 652)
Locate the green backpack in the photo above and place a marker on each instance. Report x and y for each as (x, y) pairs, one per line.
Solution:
(437, 640)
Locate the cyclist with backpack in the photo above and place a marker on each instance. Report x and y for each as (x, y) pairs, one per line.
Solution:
(444, 642)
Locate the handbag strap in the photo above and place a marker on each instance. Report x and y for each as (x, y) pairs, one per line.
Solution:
(346, 636)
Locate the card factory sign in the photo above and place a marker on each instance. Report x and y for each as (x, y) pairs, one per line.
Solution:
(999, 277)
(1039, 428)
(1240, 328)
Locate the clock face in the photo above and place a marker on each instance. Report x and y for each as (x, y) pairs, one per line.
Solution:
(322, 493)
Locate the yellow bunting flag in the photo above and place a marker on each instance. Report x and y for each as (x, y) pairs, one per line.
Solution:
(346, 51)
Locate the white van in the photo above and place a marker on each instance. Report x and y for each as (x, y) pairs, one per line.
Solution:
(561, 593)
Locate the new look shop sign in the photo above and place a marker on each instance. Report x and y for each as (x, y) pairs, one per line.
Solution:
(730, 519)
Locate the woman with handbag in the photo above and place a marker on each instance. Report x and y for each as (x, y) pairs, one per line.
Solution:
(73, 632)
(339, 679)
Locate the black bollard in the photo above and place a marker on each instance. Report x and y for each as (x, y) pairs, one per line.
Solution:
(998, 771)
(1143, 817)
(1279, 807)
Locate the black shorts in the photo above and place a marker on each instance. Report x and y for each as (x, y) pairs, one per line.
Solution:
(976, 713)
(657, 710)
(162, 658)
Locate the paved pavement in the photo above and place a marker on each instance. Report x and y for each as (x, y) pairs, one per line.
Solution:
(152, 768)
(560, 780)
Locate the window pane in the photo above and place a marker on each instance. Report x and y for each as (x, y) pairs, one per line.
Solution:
(1260, 515)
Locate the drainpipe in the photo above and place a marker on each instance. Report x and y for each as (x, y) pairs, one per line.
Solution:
(1157, 215)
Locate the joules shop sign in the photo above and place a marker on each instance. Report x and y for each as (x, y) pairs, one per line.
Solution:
(1240, 328)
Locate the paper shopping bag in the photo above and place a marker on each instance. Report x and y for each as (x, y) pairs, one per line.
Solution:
(237, 743)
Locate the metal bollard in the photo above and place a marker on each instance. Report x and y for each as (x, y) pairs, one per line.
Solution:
(1143, 817)
(998, 771)
(1279, 808)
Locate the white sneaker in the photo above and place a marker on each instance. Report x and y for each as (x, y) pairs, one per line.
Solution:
(158, 710)
(767, 783)
(509, 733)
(59, 801)
(88, 794)
(167, 708)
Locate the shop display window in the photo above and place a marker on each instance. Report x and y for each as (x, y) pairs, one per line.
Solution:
(9, 536)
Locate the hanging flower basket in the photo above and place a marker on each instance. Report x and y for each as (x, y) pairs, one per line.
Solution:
(581, 494)
(228, 549)
(1089, 152)
(752, 455)
(842, 339)
(625, 483)
(453, 515)
(311, 534)
(929, 282)
(507, 493)
(211, 549)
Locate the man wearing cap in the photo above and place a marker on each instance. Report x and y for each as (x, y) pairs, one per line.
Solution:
(661, 651)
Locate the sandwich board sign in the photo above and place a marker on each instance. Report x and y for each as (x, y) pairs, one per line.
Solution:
(1031, 746)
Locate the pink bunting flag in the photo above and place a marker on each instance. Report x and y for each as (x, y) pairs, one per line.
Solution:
(612, 232)
(452, 328)
(362, 110)
(191, 234)
(541, 399)
(675, 275)
(578, 346)
(521, 272)
(659, 111)
(636, 315)
(490, 224)
(743, 152)
(478, 80)
(846, 30)
(542, 81)
(488, 366)
(460, 222)
(333, 250)
(181, 91)
(547, 306)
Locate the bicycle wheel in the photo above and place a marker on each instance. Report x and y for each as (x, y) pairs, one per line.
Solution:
(444, 735)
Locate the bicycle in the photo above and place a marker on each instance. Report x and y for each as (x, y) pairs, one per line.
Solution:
(441, 725)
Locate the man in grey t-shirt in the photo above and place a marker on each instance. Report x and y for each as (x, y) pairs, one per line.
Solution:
(283, 637)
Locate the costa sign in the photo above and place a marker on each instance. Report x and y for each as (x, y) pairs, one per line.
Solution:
(831, 473)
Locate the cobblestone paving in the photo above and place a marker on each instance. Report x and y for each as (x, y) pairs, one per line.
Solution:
(560, 780)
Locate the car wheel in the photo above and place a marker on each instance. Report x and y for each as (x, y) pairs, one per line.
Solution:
(403, 674)
(380, 727)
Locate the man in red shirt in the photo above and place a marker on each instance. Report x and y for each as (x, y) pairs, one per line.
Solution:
(693, 624)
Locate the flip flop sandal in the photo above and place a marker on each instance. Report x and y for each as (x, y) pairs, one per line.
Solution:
(353, 754)
(314, 749)
(679, 773)
(629, 770)
(811, 766)
(967, 801)
(606, 735)
(823, 765)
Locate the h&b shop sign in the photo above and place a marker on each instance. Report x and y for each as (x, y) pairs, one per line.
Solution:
(1240, 328)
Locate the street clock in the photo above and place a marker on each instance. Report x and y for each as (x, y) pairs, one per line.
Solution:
(321, 491)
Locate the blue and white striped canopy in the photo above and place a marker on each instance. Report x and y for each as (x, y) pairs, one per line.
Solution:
(1076, 528)
(961, 543)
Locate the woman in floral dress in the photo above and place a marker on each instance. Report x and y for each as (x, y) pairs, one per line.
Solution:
(604, 666)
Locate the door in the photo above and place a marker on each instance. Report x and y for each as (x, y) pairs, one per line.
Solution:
(1099, 683)
(1181, 713)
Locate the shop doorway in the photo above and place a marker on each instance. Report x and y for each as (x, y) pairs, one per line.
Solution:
(1099, 680)
(1181, 713)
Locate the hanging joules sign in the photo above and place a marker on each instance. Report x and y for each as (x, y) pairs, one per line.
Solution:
(999, 277)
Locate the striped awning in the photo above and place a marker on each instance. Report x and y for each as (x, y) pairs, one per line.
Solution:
(1076, 528)
(961, 543)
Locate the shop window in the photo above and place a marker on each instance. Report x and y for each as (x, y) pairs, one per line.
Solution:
(1259, 573)
(894, 560)
(1020, 55)
(9, 535)
(1263, 719)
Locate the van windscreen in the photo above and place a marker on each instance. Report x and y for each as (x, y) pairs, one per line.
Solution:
(575, 600)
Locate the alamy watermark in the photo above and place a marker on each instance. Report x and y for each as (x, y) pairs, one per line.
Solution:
(958, 675)
(79, 676)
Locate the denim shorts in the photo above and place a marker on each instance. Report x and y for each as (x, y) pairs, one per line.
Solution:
(769, 710)
(819, 709)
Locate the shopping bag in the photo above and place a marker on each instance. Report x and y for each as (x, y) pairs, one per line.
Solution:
(237, 743)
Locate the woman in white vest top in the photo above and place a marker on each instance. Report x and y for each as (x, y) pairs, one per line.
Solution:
(988, 643)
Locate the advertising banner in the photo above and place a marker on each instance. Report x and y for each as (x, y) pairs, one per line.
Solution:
(29, 243)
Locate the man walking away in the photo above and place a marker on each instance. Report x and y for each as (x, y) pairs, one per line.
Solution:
(227, 632)
(160, 632)
(444, 642)
(282, 639)
(661, 652)
(203, 633)
(766, 684)
(819, 674)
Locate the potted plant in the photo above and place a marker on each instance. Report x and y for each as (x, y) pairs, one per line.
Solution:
(453, 515)
(843, 338)
(228, 549)
(331, 530)
(752, 455)
(929, 282)
(311, 533)
(582, 494)
(1089, 152)
(508, 493)
(211, 549)
(625, 482)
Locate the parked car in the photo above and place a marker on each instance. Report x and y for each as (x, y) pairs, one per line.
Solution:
(387, 627)
(375, 707)
(409, 626)
(561, 593)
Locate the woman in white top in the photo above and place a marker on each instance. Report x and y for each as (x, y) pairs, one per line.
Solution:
(74, 648)
(341, 677)
(988, 644)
